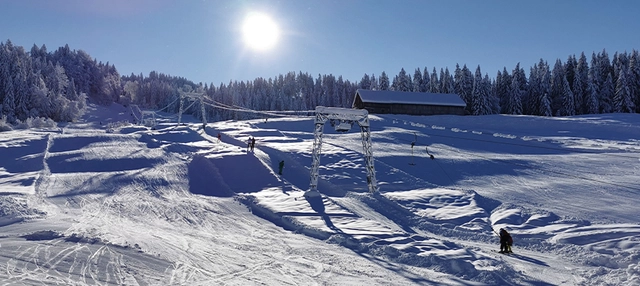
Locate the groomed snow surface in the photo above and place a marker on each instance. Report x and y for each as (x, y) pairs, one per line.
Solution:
(103, 202)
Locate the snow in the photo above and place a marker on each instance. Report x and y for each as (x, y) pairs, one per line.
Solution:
(101, 201)
(389, 96)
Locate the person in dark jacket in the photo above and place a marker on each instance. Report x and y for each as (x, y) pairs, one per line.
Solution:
(505, 241)
(280, 166)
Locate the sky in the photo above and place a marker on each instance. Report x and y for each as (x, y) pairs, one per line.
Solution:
(202, 40)
(103, 201)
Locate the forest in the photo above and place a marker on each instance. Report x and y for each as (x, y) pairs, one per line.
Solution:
(56, 86)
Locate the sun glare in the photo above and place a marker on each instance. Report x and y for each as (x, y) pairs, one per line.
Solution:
(260, 32)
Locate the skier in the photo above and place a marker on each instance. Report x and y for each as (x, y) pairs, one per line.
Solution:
(280, 166)
(505, 241)
(219, 137)
(248, 143)
(253, 143)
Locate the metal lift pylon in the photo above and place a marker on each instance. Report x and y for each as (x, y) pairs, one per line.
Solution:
(344, 117)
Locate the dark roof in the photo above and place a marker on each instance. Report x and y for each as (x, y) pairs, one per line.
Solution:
(420, 98)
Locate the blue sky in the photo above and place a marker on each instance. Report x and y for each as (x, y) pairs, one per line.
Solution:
(201, 40)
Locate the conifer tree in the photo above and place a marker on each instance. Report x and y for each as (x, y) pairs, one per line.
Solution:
(557, 89)
(622, 99)
(434, 83)
(607, 91)
(417, 81)
(384, 81)
(365, 82)
(426, 81)
(591, 102)
(568, 105)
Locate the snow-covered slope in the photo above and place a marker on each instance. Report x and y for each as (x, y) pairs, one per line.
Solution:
(99, 203)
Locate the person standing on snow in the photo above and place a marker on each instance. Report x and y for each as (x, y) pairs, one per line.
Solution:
(505, 241)
(253, 143)
(280, 166)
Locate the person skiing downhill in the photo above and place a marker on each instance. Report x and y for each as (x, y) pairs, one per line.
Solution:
(505, 241)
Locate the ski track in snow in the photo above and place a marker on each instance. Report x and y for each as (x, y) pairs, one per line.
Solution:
(173, 206)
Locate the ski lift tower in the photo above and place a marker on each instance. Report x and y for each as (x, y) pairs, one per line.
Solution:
(341, 119)
(193, 96)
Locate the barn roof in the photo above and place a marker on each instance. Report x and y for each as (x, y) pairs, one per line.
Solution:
(420, 98)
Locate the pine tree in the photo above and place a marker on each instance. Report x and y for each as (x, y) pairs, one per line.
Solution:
(480, 96)
(384, 81)
(557, 89)
(404, 81)
(426, 81)
(607, 91)
(622, 99)
(434, 83)
(417, 81)
(544, 101)
(591, 102)
(634, 79)
(446, 81)
(365, 82)
(374, 83)
(580, 84)
(517, 90)
(568, 105)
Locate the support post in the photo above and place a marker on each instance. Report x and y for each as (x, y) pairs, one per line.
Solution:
(202, 110)
(317, 147)
(180, 111)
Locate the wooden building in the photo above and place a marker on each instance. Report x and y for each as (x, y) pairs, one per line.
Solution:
(412, 103)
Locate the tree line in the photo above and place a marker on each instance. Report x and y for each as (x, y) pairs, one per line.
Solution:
(58, 84)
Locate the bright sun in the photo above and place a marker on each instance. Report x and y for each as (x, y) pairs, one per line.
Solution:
(260, 32)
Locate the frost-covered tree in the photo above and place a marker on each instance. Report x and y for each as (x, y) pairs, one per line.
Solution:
(374, 83)
(446, 81)
(434, 83)
(622, 99)
(365, 82)
(480, 95)
(580, 84)
(591, 101)
(543, 100)
(567, 107)
(634, 78)
(570, 69)
(463, 85)
(417, 80)
(403, 81)
(607, 91)
(557, 88)
(384, 81)
(516, 91)
(503, 81)
(426, 81)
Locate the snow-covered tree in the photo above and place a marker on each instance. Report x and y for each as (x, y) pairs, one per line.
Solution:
(434, 83)
(404, 81)
(607, 91)
(417, 80)
(567, 107)
(446, 82)
(384, 81)
(557, 88)
(426, 81)
(622, 100)
(591, 101)
(365, 82)
(480, 95)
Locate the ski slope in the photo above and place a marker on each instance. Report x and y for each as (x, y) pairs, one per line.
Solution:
(92, 203)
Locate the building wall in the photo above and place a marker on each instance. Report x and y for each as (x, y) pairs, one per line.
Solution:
(411, 109)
